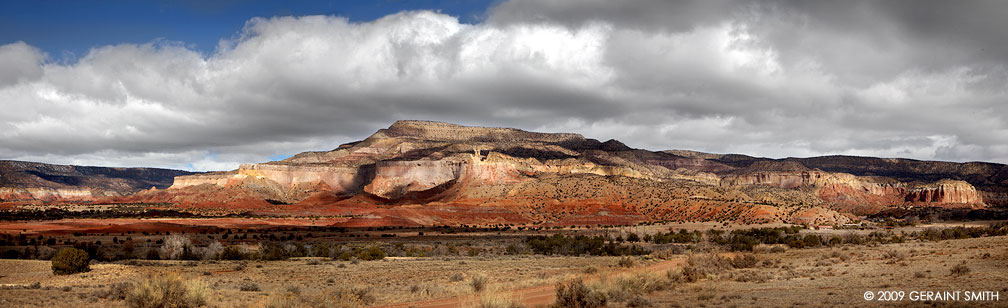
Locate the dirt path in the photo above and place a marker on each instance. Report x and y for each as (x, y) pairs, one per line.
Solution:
(535, 296)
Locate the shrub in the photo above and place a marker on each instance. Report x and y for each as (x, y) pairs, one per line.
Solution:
(231, 253)
(700, 266)
(478, 283)
(638, 301)
(812, 240)
(116, 291)
(894, 256)
(178, 247)
(285, 300)
(371, 253)
(173, 245)
(212, 250)
(960, 270)
(751, 276)
(249, 287)
(272, 252)
(575, 294)
(167, 291)
(668, 253)
(498, 300)
(625, 287)
(744, 261)
(70, 261)
(321, 250)
(456, 277)
(625, 262)
(579, 245)
(344, 296)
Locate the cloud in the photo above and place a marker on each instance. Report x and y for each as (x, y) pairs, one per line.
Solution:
(19, 62)
(762, 78)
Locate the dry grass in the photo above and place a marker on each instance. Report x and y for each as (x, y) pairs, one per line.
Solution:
(342, 297)
(744, 261)
(574, 294)
(837, 277)
(959, 270)
(704, 266)
(167, 291)
(624, 287)
(498, 299)
(478, 282)
(894, 256)
(626, 262)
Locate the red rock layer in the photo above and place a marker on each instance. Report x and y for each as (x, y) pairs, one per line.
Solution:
(945, 192)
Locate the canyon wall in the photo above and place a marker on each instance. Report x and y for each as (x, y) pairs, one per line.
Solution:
(814, 179)
(339, 178)
(193, 180)
(945, 192)
(46, 194)
(845, 187)
(394, 179)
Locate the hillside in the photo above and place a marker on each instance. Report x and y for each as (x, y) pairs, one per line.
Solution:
(20, 180)
(420, 172)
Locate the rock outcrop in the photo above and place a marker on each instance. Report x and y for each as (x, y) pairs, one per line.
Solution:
(945, 192)
(45, 194)
(431, 172)
(396, 179)
(24, 181)
(850, 189)
(817, 180)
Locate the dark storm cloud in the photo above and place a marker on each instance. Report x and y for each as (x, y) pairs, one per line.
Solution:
(920, 79)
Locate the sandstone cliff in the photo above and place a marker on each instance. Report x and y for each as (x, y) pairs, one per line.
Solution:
(23, 181)
(45, 194)
(945, 192)
(427, 172)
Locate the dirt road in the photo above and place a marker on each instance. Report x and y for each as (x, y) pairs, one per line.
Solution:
(535, 296)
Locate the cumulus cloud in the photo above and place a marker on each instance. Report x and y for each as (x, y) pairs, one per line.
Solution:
(761, 78)
(19, 62)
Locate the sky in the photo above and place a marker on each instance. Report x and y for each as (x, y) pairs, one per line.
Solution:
(196, 86)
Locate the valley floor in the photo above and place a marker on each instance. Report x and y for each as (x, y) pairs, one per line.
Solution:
(820, 277)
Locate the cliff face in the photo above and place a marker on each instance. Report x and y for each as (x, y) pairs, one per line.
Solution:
(217, 179)
(45, 194)
(554, 177)
(438, 131)
(815, 179)
(393, 180)
(23, 181)
(847, 188)
(945, 192)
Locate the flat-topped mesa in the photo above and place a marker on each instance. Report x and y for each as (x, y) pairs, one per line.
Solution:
(795, 179)
(44, 193)
(430, 130)
(339, 178)
(834, 187)
(945, 192)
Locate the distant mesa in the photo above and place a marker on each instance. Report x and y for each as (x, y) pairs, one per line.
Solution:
(423, 173)
(21, 181)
